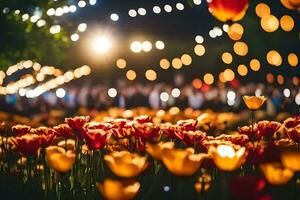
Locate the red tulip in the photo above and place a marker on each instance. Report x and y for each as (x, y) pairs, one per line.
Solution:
(228, 10)
(96, 138)
(241, 140)
(191, 138)
(187, 125)
(77, 123)
(121, 128)
(27, 144)
(294, 133)
(147, 131)
(268, 128)
(63, 130)
(46, 135)
(292, 122)
(168, 130)
(143, 119)
(19, 130)
(247, 130)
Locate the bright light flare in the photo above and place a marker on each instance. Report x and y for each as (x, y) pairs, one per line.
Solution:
(101, 44)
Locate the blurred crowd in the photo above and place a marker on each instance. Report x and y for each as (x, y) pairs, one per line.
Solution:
(156, 96)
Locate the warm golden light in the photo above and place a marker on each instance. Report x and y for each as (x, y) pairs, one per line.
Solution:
(164, 63)
(262, 9)
(287, 23)
(270, 78)
(255, 65)
(186, 59)
(235, 31)
(269, 23)
(242, 70)
(221, 77)
(199, 50)
(151, 75)
(293, 59)
(280, 79)
(240, 48)
(121, 63)
(176, 63)
(274, 58)
(208, 78)
(228, 75)
(197, 83)
(131, 75)
(227, 57)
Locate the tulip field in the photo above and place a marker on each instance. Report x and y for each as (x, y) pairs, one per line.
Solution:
(208, 156)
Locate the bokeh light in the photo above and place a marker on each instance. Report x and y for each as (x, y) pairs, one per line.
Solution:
(262, 9)
(164, 63)
(151, 75)
(176, 63)
(227, 57)
(287, 23)
(235, 31)
(293, 59)
(255, 65)
(208, 78)
(121, 63)
(131, 75)
(199, 50)
(274, 58)
(228, 74)
(197, 83)
(269, 23)
(242, 70)
(240, 48)
(186, 59)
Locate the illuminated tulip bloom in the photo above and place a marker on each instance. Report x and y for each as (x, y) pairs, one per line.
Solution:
(143, 119)
(182, 162)
(226, 158)
(234, 139)
(204, 183)
(28, 144)
(268, 128)
(291, 4)
(59, 159)
(291, 159)
(96, 138)
(63, 130)
(46, 135)
(116, 190)
(190, 138)
(147, 131)
(254, 102)
(225, 10)
(275, 174)
(294, 133)
(19, 130)
(69, 146)
(247, 130)
(77, 123)
(187, 125)
(155, 150)
(126, 164)
(168, 130)
(292, 122)
(121, 128)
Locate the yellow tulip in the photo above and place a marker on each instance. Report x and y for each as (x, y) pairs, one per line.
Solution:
(291, 160)
(116, 190)
(126, 164)
(226, 158)
(155, 150)
(60, 160)
(182, 162)
(254, 102)
(276, 174)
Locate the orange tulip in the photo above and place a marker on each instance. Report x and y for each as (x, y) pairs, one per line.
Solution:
(225, 10)
(126, 164)
(226, 158)
(291, 159)
(276, 174)
(59, 159)
(116, 190)
(182, 162)
(254, 102)
(155, 150)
